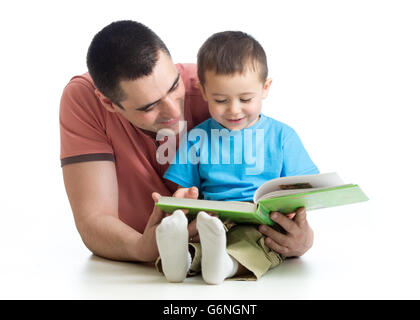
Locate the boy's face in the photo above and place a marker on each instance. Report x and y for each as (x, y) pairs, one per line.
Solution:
(235, 101)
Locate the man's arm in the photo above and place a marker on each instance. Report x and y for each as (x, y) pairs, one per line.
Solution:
(92, 190)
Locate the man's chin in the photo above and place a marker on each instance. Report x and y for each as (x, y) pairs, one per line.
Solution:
(173, 129)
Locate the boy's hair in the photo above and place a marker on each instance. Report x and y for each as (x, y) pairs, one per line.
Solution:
(231, 52)
(123, 50)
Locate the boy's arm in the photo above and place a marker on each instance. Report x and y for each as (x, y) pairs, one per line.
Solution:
(184, 173)
(298, 235)
(296, 160)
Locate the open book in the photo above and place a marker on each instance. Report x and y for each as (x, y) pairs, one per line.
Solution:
(284, 195)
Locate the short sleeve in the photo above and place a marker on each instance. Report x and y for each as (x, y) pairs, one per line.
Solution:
(296, 160)
(82, 125)
(183, 172)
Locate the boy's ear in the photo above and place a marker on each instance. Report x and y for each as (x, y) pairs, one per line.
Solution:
(266, 88)
(108, 105)
(202, 90)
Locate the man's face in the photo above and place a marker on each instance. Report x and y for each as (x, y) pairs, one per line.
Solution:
(156, 101)
(235, 101)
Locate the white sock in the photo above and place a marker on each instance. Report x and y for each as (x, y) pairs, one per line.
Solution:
(216, 263)
(172, 242)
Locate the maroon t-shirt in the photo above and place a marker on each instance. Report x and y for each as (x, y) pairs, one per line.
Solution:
(89, 132)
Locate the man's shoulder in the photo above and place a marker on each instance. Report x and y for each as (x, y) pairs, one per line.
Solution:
(187, 69)
(79, 90)
(196, 109)
(79, 98)
(81, 81)
(189, 76)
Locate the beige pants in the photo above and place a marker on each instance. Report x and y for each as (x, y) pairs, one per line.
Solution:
(244, 243)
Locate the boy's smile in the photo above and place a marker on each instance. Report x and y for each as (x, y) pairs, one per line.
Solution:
(235, 101)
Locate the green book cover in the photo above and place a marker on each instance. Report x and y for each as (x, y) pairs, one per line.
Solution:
(268, 198)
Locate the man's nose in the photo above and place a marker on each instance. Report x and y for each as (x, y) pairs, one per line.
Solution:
(170, 107)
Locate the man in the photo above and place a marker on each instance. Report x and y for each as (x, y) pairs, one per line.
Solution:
(109, 118)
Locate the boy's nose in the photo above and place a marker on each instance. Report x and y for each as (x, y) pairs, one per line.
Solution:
(234, 108)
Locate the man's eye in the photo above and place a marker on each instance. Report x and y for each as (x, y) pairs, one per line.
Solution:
(221, 101)
(149, 109)
(175, 87)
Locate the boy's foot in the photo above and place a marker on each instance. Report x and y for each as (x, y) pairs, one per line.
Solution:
(216, 263)
(172, 242)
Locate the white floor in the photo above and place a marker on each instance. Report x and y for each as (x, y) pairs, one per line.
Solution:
(352, 258)
(345, 76)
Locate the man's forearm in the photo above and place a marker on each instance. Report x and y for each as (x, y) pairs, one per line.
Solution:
(109, 237)
(92, 188)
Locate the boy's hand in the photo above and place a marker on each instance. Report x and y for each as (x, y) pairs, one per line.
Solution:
(298, 237)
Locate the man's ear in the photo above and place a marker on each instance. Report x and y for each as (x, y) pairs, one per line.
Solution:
(108, 105)
(266, 88)
(202, 90)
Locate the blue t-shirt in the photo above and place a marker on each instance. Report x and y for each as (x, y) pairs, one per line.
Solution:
(231, 165)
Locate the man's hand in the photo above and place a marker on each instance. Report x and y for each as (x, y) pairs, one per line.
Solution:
(298, 238)
(148, 244)
(191, 193)
(148, 240)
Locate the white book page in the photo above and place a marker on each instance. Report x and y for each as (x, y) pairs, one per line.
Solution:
(280, 193)
(322, 180)
(210, 204)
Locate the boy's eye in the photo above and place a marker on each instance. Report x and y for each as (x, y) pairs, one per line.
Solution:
(246, 100)
(220, 101)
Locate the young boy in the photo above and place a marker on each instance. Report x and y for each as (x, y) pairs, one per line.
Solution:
(238, 149)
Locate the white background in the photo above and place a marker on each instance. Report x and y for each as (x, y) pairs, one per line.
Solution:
(346, 77)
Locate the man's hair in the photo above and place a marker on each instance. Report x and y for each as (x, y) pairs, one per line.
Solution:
(123, 50)
(231, 52)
